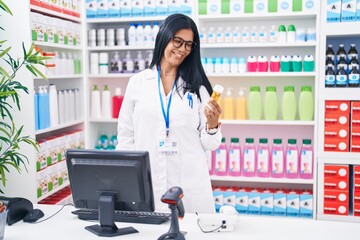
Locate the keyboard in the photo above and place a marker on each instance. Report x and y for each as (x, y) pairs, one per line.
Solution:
(126, 216)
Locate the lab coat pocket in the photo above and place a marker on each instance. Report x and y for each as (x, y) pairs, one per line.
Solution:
(189, 110)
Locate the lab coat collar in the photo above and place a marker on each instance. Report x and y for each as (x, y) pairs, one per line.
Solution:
(154, 74)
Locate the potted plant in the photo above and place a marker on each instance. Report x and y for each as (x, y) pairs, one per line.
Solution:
(11, 135)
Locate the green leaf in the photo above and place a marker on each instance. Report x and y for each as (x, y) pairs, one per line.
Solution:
(5, 7)
(39, 72)
(24, 50)
(31, 70)
(3, 41)
(7, 93)
(4, 52)
(30, 50)
(4, 73)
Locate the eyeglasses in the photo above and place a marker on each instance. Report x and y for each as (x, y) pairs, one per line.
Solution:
(178, 42)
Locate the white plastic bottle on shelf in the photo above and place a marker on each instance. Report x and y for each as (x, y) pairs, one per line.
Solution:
(254, 35)
(225, 65)
(203, 35)
(147, 34)
(95, 103)
(234, 67)
(139, 34)
(61, 100)
(129, 63)
(106, 103)
(148, 59)
(139, 62)
(211, 35)
(236, 35)
(132, 35)
(220, 38)
(53, 106)
(273, 36)
(263, 36)
(245, 35)
(228, 35)
(116, 64)
(155, 30)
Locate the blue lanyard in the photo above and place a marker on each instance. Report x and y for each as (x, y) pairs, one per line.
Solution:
(166, 115)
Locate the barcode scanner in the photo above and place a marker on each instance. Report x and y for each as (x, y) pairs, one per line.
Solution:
(173, 197)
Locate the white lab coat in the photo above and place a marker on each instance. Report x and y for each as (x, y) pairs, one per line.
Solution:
(141, 124)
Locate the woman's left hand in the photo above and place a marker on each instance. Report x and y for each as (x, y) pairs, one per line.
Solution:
(212, 112)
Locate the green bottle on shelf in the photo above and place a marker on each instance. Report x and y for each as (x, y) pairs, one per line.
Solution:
(306, 104)
(254, 103)
(271, 103)
(289, 104)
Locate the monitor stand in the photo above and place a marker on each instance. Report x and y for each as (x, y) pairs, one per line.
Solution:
(107, 227)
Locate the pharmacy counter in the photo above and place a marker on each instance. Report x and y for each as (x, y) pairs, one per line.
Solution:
(65, 225)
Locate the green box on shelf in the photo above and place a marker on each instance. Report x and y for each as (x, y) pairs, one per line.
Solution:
(297, 5)
(272, 6)
(225, 6)
(202, 7)
(249, 6)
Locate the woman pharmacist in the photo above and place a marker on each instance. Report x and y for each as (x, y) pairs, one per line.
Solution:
(167, 110)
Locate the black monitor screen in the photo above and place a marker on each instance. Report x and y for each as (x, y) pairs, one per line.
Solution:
(109, 181)
(124, 174)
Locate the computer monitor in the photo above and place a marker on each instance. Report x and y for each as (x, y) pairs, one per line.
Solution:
(108, 181)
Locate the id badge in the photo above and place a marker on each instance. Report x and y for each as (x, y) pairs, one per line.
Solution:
(168, 146)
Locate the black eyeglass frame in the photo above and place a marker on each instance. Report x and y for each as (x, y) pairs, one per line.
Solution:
(182, 41)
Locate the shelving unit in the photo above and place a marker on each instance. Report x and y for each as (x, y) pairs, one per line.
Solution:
(334, 33)
(33, 176)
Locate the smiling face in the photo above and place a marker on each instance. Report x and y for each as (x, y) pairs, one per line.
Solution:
(174, 56)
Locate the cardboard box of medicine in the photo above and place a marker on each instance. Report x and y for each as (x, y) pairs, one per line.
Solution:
(249, 6)
(356, 185)
(218, 195)
(80, 139)
(336, 171)
(297, 5)
(337, 106)
(336, 145)
(356, 197)
(267, 203)
(102, 9)
(272, 6)
(41, 162)
(213, 7)
(356, 172)
(230, 197)
(149, 8)
(357, 210)
(355, 105)
(336, 208)
(161, 7)
(45, 4)
(260, 6)
(53, 182)
(292, 204)
(91, 8)
(309, 6)
(285, 6)
(174, 6)
(114, 8)
(336, 119)
(355, 133)
(355, 120)
(279, 203)
(237, 6)
(306, 204)
(348, 11)
(125, 8)
(254, 202)
(35, 2)
(71, 140)
(202, 5)
(333, 12)
(186, 6)
(336, 184)
(339, 133)
(336, 196)
(52, 151)
(242, 201)
(137, 8)
(42, 183)
(225, 6)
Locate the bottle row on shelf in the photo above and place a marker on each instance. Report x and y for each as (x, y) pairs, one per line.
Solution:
(56, 107)
(106, 142)
(100, 63)
(253, 35)
(67, 7)
(139, 8)
(261, 160)
(103, 105)
(284, 63)
(266, 107)
(269, 202)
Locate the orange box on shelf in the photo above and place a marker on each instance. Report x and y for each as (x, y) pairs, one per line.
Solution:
(336, 184)
(336, 145)
(357, 171)
(336, 132)
(336, 196)
(355, 132)
(337, 119)
(355, 107)
(355, 145)
(357, 210)
(336, 171)
(356, 197)
(337, 106)
(35, 2)
(336, 208)
(45, 5)
(355, 120)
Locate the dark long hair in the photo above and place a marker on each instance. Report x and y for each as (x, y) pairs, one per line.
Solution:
(191, 69)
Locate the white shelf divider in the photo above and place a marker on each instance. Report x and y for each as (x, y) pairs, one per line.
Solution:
(60, 126)
(264, 74)
(67, 76)
(112, 75)
(342, 29)
(260, 16)
(57, 46)
(262, 180)
(55, 14)
(125, 19)
(258, 45)
(265, 122)
(120, 48)
(338, 218)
